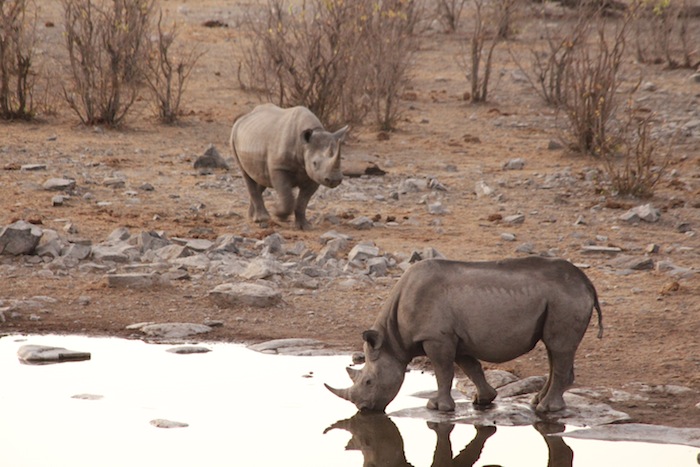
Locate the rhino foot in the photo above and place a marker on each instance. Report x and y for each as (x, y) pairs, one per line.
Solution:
(443, 405)
(550, 406)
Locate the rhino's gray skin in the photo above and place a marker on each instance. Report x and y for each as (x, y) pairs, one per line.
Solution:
(285, 149)
(462, 312)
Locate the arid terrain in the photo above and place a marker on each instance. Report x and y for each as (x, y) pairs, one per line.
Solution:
(651, 316)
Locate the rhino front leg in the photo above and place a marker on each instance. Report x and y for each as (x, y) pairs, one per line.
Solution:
(305, 194)
(485, 394)
(442, 356)
(256, 210)
(285, 194)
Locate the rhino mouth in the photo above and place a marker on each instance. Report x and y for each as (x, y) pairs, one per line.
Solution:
(332, 183)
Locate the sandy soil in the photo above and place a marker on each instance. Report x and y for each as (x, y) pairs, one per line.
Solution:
(652, 320)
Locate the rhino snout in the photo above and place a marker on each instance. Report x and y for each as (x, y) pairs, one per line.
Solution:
(332, 182)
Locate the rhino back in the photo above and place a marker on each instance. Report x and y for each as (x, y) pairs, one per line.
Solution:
(496, 307)
(268, 138)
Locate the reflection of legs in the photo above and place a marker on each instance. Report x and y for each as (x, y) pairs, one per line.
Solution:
(471, 453)
(442, 356)
(485, 394)
(560, 455)
(561, 376)
(443, 447)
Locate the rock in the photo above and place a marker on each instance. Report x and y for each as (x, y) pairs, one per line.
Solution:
(50, 244)
(58, 200)
(211, 159)
(514, 164)
(362, 252)
(437, 209)
(496, 378)
(514, 219)
(48, 354)
(162, 423)
(528, 385)
(261, 268)
(235, 294)
(652, 248)
(151, 241)
(286, 346)
(118, 235)
(527, 248)
(634, 263)
(32, 167)
(507, 237)
(19, 238)
(188, 349)
(638, 432)
(413, 185)
(361, 223)
(133, 280)
(482, 189)
(122, 253)
(172, 252)
(332, 234)
(59, 184)
(600, 249)
(645, 212)
(684, 227)
(174, 330)
(272, 244)
(553, 145)
(377, 267)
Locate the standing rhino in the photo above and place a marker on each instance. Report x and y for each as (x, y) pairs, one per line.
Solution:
(464, 312)
(285, 149)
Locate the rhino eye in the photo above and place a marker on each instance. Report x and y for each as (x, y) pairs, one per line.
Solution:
(368, 382)
(315, 164)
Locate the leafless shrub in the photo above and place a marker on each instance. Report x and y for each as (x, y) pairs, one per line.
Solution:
(166, 75)
(505, 13)
(340, 59)
(631, 156)
(591, 83)
(480, 60)
(449, 12)
(17, 75)
(663, 34)
(106, 43)
(546, 72)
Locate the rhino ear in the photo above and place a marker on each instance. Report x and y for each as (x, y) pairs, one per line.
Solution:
(306, 134)
(374, 340)
(340, 134)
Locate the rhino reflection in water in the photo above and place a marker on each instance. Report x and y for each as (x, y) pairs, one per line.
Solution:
(465, 312)
(381, 444)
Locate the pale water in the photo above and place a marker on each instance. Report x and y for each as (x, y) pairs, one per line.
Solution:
(248, 409)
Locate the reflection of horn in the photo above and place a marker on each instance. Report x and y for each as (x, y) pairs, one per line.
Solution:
(353, 373)
(342, 393)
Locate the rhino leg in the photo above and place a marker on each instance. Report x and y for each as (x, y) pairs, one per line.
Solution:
(561, 376)
(256, 210)
(485, 394)
(305, 194)
(442, 356)
(285, 194)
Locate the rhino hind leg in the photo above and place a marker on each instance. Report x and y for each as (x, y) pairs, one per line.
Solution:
(442, 356)
(561, 376)
(485, 394)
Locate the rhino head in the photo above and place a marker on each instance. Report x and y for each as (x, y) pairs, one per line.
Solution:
(321, 151)
(378, 382)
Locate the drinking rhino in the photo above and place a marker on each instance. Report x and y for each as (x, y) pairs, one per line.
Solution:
(285, 149)
(463, 312)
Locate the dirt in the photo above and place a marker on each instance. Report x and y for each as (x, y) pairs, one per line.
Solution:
(652, 320)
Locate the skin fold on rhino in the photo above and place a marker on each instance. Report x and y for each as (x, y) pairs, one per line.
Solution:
(467, 312)
(285, 149)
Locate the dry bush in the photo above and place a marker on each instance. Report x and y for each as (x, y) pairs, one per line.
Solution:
(166, 75)
(482, 45)
(17, 75)
(547, 69)
(631, 157)
(663, 33)
(449, 12)
(591, 84)
(338, 58)
(106, 43)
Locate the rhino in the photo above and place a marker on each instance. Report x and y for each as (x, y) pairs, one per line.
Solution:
(464, 312)
(285, 149)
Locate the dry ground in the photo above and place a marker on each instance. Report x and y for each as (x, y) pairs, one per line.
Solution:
(652, 328)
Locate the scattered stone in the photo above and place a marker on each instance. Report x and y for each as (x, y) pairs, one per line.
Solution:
(527, 248)
(554, 145)
(633, 263)
(262, 268)
(645, 212)
(684, 227)
(211, 159)
(514, 164)
(19, 238)
(507, 237)
(482, 189)
(600, 249)
(188, 349)
(162, 423)
(362, 252)
(652, 248)
(361, 223)
(235, 294)
(32, 167)
(59, 184)
(133, 280)
(174, 330)
(514, 219)
(286, 346)
(48, 354)
(437, 209)
(377, 267)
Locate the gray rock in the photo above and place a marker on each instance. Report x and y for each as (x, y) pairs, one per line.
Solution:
(553, 145)
(413, 185)
(361, 223)
(362, 252)
(482, 189)
(50, 244)
(272, 244)
(634, 263)
(514, 164)
(19, 238)
(133, 280)
(120, 234)
(172, 252)
(188, 349)
(639, 433)
(377, 266)
(59, 184)
(235, 294)
(163, 423)
(437, 209)
(514, 219)
(48, 354)
(528, 385)
(600, 249)
(199, 244)
(58, 200)
(120, 253)
(645, 212)
(527, 248)
(32, 167)
(507, 237)
(261, 268)
(174, 330)
(285, 345)
(211, 159)
(332, 234)
(151, 241)
(332, 249)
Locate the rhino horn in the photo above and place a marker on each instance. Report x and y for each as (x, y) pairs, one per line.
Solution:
(353, 373)
(342, 393)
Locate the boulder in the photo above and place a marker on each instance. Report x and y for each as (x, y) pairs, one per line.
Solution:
(19, 238)
(235, 294)
(48, 354)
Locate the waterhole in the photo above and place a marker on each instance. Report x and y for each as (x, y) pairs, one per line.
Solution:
(136, 404)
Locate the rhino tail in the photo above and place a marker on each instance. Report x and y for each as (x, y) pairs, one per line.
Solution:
(596, 304)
